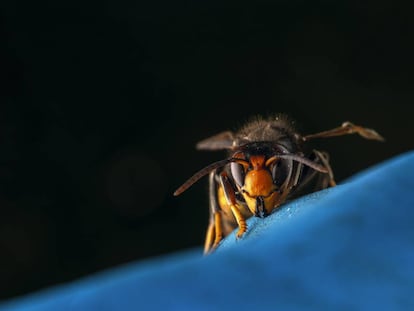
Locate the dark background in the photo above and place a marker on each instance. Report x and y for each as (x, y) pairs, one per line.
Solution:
(102, 103)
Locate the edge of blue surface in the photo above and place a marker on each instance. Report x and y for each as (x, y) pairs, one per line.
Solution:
(346, 247)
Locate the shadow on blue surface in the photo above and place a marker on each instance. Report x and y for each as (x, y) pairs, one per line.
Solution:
(348, 247)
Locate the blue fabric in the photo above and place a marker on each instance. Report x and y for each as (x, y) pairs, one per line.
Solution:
(349, 247)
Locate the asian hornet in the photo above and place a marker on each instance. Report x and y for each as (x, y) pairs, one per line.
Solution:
(268, 164)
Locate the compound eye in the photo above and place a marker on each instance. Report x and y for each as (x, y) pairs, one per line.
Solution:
(281, 171)
(237, 171)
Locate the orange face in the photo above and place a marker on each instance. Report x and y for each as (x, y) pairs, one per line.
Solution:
(259, 191)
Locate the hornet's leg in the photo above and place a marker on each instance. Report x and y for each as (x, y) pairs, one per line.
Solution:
(324, 157)
(310, 180)
(232, 203)
(208, 243)
(214, 231)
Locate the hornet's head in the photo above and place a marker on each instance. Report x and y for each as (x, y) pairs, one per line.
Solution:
(256, 179)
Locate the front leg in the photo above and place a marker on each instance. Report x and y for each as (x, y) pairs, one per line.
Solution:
(230, 196)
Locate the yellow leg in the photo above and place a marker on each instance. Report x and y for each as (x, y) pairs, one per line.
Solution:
(240, 220)
(214, 233)
(219, 230)
(209, 237)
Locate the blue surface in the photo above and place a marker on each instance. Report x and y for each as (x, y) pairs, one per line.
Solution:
(349, 247)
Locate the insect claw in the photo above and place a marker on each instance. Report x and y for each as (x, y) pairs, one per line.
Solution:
(242, 230)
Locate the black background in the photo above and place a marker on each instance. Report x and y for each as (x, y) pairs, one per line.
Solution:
(102, 103)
